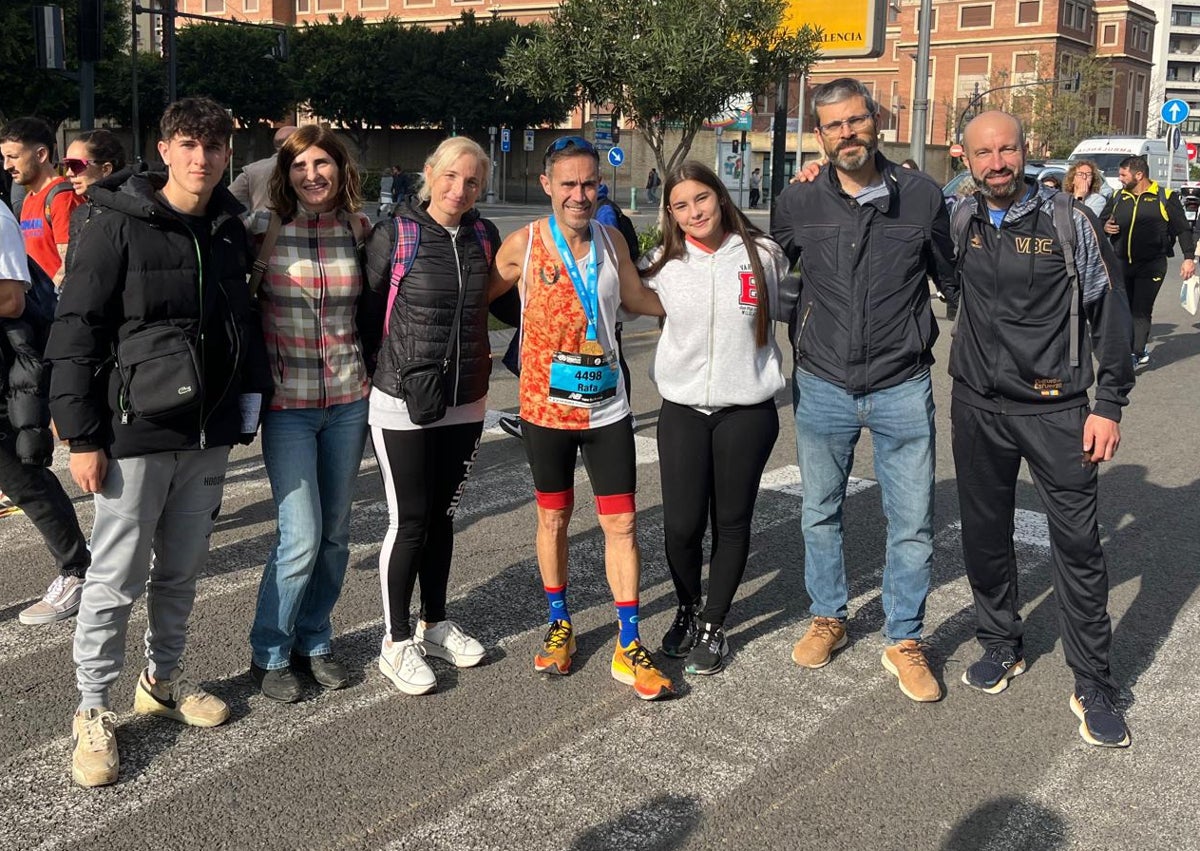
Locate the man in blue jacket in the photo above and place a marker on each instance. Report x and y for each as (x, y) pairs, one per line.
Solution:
(868, 235)
(1022, 368)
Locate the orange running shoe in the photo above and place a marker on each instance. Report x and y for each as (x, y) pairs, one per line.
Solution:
(557, 649)
(633, 666)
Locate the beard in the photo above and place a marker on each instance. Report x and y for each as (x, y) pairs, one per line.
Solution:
(1004, 191)
(853, 160)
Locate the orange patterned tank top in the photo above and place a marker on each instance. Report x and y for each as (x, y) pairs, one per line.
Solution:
(552, 320)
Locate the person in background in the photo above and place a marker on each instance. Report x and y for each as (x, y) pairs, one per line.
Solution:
(653, 182)
(28, 148)
(755, 188)
(253, 186)
(1083, 180)
(316, 425)
(93, 156)
(1156, 215)
(718, 368)
(26, 444)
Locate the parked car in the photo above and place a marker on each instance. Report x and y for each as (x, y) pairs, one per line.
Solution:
(1189, 196)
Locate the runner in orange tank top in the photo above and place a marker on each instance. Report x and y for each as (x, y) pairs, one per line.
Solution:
(572, 399)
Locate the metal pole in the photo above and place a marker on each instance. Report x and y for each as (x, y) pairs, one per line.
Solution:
(778, 141)
(800, 122)
(920, 100)
(168, 14)
(133, 78)
(491, 192)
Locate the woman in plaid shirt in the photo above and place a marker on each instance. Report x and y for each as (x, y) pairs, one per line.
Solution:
(314, 432)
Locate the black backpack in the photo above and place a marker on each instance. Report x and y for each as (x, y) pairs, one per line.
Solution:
(625, 226)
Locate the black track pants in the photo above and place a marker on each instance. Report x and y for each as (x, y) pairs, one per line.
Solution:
(988, 448)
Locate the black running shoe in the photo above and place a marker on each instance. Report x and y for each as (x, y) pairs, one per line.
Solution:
(992, 673)
(710, 651)
(682, 634)
(511, 426)
(1100, 723)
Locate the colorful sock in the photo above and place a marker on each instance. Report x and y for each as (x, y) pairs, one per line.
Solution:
(557, 598)
(628, 615)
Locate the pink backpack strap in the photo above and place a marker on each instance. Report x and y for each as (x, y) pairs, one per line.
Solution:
(408, 239)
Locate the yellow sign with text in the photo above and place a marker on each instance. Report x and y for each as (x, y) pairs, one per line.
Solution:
(850, 29)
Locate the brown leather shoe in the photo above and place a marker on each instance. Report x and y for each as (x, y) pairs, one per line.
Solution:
(906, 661)
(816, 648)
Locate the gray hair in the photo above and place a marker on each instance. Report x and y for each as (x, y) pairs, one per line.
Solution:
(841, 89)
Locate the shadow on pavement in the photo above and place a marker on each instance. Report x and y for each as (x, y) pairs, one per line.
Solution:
(670, 819)
(1041, 829)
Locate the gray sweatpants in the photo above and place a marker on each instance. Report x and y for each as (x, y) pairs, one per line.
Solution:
(154, 516)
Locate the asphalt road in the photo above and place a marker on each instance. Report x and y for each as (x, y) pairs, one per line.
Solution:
(762, 756)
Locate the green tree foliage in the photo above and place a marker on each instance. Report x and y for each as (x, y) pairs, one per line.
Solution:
(466, 88)
(234, 66)
(115, 98)
(361, 75)
(48, 94)
(660, 63)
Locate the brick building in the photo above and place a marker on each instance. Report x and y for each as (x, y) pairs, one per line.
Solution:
(434, 13)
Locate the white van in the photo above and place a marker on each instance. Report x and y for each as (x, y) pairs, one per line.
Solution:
(1108, 151)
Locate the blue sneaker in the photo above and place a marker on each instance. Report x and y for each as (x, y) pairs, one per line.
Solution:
(992, 673)
(1100, 723)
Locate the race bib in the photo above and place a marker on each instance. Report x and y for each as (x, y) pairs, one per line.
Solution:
(583, 381)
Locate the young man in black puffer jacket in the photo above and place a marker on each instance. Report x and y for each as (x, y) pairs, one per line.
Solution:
(158, 369)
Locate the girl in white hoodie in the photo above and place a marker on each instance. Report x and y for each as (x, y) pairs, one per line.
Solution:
(717, 368)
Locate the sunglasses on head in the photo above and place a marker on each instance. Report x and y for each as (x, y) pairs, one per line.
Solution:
(559, 145)
(76, 166)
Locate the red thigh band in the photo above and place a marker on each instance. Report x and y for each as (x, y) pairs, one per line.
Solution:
(555, 501)
(616, 503)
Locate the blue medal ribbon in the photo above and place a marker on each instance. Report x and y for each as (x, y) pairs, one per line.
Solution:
(587, 289)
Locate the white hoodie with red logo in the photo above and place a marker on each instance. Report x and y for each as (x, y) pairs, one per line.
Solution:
(707, 357)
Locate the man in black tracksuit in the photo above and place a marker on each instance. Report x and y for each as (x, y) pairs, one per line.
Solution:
(1143, 221)
(1021, 379)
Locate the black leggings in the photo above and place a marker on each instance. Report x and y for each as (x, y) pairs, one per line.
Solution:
(712, 463)
(424, 474)
(1142, 283)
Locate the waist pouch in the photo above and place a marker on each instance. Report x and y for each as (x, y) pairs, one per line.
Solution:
(422, 385)
(160, 373)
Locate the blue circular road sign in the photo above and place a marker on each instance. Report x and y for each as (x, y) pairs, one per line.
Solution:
(616, 156)
(1175, 111)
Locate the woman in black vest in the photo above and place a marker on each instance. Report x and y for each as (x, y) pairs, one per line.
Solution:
(429, 269)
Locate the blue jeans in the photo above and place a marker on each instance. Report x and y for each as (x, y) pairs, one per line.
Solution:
(312, 457)
(828, 424)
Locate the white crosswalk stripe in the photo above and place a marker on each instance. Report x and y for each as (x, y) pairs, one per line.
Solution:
(39, 808)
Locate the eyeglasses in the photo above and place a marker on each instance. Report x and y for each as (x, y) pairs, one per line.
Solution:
(854, 122)
(1086, 174)
(560, 145)
(76, 166)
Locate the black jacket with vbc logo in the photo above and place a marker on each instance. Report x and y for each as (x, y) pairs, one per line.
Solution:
(1012, 338)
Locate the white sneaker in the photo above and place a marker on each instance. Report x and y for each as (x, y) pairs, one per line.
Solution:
(60, 601)
(446, 640)
(403, 662)
(94, 759)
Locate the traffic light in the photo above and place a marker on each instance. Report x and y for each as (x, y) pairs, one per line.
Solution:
(735, 146)
(48, 38)
(91, 30)
(616, 132)
(280, 49)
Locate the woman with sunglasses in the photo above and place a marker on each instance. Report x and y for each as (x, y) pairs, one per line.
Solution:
(428, 269)
(315, 429)
(717, 368)
(93, 156)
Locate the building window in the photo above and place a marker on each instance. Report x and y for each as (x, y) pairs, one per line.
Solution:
(972, 76)
(249, 5)
(330, 5)
(1075, 16)
(302, 7)
(975, 17)
(1109, 34)
(214, 7)
(1025, 66)
(1144, 40)
(1029, 11)
(365, 5)
(933, 18)
(893, 12)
